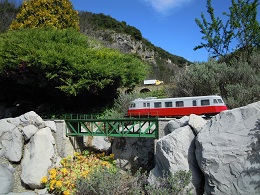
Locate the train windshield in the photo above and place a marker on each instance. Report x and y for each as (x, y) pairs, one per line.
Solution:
(220, 101)
(132, 105)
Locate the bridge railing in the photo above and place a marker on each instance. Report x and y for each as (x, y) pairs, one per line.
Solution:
(127, 127)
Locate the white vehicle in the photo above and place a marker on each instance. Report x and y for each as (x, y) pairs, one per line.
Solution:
(152, 82)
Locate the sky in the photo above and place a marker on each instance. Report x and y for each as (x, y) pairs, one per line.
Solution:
(169, 24)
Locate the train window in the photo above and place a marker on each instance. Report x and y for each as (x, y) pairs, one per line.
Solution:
(205, 102)
(148, 105)
(168, 104)
(157, 104)
(220, 101)
(215, 101)
(144, 104)
(132, 105)
(179, 103)
(194, 103)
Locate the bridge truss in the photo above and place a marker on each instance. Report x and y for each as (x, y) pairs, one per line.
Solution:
(126, 127)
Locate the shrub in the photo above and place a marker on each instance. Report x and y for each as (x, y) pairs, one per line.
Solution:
(170, 184)
(106, 183)
(62, 179)
(238, 84)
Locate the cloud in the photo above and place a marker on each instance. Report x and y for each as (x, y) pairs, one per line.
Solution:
(164, 6)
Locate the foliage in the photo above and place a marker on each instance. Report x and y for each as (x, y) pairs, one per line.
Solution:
(63, 179)
(120, 106)
(90, 173)
(8, 11)
(137, 184)
(41, 13)
(241, 29)
(65, 60)
(238, 84)
(170, 184)
(108, 183)
(122, 102)
(101, 22)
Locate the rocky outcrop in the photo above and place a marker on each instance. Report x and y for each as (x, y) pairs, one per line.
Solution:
(6, 179)
(38, 157)
(29, 140)
(34, 146)
(223, 154)
(176, 152)
(228, 151)
(133, 153)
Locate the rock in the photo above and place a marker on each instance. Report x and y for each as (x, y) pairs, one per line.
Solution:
(29, 131)
(37, 158)
(51, 124)
(15, 121)
(5, 127)
(176, 152)
(11, 142)
(6, 180)
(22, 193)
(196, 122)
(100, 143)
(175, 124)
(31, 118)
(228, 151)
(133, 153)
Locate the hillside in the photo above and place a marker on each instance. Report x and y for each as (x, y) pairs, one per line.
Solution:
(128, 39)
(114, 34)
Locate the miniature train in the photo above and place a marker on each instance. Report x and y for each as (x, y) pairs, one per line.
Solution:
(176, 107)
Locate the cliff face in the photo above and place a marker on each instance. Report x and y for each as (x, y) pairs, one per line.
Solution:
(123, 42)
(162, 67)
(128, 39)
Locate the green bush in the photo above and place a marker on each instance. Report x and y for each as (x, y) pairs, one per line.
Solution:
(171, 184)
(238, 83)
(107, 183)
(65, 60)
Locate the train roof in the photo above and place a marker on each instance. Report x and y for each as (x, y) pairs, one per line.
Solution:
(177, 98)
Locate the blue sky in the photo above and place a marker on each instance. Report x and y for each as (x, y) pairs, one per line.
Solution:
(169, 24)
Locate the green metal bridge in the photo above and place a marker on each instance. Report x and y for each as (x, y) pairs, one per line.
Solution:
(81, 125)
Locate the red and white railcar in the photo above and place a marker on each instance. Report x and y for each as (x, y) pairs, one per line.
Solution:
(176, 107)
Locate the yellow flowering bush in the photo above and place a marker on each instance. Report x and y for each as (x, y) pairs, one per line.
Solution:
(59, 14)
(62, 179)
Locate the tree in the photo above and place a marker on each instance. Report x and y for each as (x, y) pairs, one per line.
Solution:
(240, 29)
(41, 13)
(65, 60)
(239, 84)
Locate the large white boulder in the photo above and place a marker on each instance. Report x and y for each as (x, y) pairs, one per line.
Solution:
(38, 155)
(175, 124)
(176, 152)
(29, 131)
(11, 141)
(196, 122)
(6, 180)
(228, 151)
